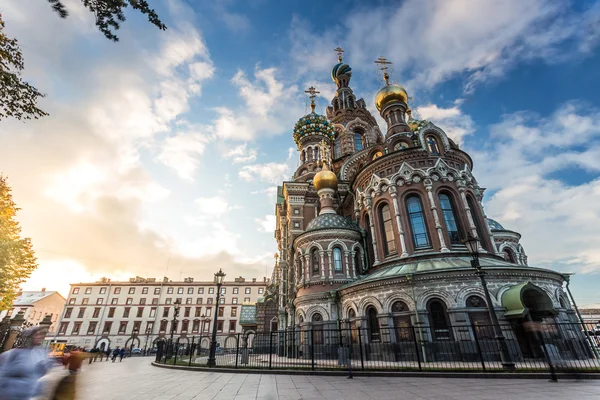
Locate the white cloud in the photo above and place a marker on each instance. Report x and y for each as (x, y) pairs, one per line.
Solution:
(452, 120)
(214, 206)
(273, 173)
(181, 153)
(266, 224)
(241, 154)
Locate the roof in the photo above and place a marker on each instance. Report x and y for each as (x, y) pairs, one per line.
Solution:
(494, 225)
(27, 298)
(328, 221)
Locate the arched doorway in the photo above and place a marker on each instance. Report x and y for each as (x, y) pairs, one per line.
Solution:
(438, 319)
(317, 328)
(373, 330)
(402, 322)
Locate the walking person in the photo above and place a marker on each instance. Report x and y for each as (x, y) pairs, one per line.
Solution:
(108, 353)
(115, 354)
(121, 354)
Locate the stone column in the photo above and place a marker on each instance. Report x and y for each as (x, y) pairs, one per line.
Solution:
(14, 329)
(322, 254)
(463, 198)
(438, 226)
(307, 267)
(372, 227)
(330, 264)
(354, 266)
(347, 264)
(394, 194)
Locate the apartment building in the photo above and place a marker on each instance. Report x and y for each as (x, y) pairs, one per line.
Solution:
(35, 305)
(108, 314)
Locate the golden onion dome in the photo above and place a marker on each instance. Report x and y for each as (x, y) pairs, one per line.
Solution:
(325, 179)
(390, 93)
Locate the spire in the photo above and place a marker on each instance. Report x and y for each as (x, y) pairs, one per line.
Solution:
(382, 65)
(340, 53)
(312, 93)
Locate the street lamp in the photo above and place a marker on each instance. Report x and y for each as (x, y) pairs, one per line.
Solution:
(219, 276)
(174, 323)
(472, 244)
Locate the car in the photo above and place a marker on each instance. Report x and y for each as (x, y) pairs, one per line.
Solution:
(136, 351)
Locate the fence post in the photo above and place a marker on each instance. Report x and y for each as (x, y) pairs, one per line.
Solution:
(176, 350)
(362, 361)
(548, 358)
(349, 342)
(312, 348)
(191, 351)
(473, 328)
(270, 348)
(414, 336)
(237, 350)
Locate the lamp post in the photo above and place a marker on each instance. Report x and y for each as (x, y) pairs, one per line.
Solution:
(472, 244)
(219, 276)
(148, 330)
(173, 325)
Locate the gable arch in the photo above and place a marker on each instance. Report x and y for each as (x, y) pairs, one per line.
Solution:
(337, 242)
(464, 293)
(442, 295)
(347, 306)
(389, 301)
(431, 129)
(369, 301)
(317, 309)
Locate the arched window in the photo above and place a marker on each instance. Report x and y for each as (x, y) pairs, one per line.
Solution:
(417, 222)
(316, 153)
(474, 216)
(439, 320)
(337, 147)
(317, 328)
(432, 145)
(303, 156)
(357, 262)
(373, 324)
(402, 323)
(314, 259)
(509, 255)
(387, 230)
(450, 218)
(370, 251)
(377, 155)
(337, 259)
(400, 146)
(480, 318)
(358, 141)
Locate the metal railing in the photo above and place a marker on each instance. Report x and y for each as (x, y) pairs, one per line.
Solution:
(533, 347)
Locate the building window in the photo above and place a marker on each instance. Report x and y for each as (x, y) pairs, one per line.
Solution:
(81, 312)
(157, 290)
(314, 259)
(155, 301)
(117, 290)
(75, 290)
(92, 328)
(222, 300)
(180, 290)
(231, 326)
(122, 327)
(152, 312)
(439, 320)
(209, 300)
(337, 147)
(96, 312)
(88, 290)
(201, 290)
(219, 326)
(357, 263)
(174, 326)
(71, 301)
(166, 312)
(163, 326)
(373, 324)
(143, 301)
(131, 290)
(211, 290)
(76, 328)
(199, 300)
(221, 311)
(261, 290)
(317, 328)
(179, 300)
(107, 327)
(198, 312)
(190, 290)
(400, 146)
(186, 312)
(432, 145)
(195, 326)
(248, 290)
(168, 300)
(184, 326)
(140, 312)
(234, 300)
(358, 141)
(246, 299)
(208, 312)
(417, 222)
(136, 326)
(68, 312)
(170, 290)
(234, 311)
(402, 323)
(480, 318)
(337, 259)
(235, 290)
(85, 300)
(63, 328)
(450, 218)
(387, 230)
(102, 290)
(99, 301)
(189, 300)
(145, 290)
(149, 326)
(223, 290)
(129, 301)
(111, 312)
(509, 256)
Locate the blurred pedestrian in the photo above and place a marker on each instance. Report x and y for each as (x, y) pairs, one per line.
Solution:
(21, 368)
(107, 353)
(115, 354)
(121, 354)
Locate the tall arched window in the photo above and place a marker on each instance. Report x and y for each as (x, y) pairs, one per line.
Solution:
(370, 251)
(358, 141)
(373, 324)
(337, 259)
(417, 222)
(303, 156)
(314, 259)
(402, 323)
(387, 230)
(480, 318)
(432, 145)
(337, 147)
(317, 328)
(357, 262)
(474, 216)
(450, 218)
(316, 153)
(439, 320)
(509, 255)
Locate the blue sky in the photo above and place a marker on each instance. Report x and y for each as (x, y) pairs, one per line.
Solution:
(162, 152)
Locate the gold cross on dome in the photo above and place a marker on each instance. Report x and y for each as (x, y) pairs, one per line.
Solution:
(383, 66)
(312, 93)
(340, 53)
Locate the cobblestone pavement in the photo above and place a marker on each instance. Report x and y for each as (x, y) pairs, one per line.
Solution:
(135, 378)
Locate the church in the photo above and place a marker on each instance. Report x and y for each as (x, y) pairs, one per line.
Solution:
(371, 236)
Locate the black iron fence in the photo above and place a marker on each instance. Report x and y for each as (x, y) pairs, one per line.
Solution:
(532, 347)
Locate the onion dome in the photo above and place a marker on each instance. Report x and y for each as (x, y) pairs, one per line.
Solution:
(325, 179)
(340, 69)
(389, 94)
(313, 124)
(331, 221)
(495, 225)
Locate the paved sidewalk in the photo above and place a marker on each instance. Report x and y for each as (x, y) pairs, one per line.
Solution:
(135, 378)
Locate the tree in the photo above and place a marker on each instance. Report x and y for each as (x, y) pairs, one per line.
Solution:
(18, 99)
(17, 259)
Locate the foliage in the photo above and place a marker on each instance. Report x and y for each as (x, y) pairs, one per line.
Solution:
(17, 259)
(109, 13)
(17, 98)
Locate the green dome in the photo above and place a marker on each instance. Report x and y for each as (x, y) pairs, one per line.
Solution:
(313, 124)
(331, 221)
(340, 69)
